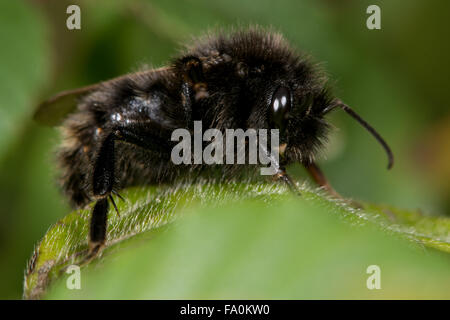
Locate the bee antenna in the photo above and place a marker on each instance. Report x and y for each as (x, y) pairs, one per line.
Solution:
(368, 127)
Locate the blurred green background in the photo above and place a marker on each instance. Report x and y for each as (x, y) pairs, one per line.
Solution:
(397, 78)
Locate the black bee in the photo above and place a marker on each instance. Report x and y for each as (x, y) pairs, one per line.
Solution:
(118, 133)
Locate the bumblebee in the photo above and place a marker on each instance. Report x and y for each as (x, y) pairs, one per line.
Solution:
(117, 133)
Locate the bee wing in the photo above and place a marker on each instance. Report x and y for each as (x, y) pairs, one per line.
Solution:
(54, 110)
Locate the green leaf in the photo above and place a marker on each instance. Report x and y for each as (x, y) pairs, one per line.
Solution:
(242, 240)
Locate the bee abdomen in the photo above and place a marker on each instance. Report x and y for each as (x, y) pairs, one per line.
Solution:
(75, 156)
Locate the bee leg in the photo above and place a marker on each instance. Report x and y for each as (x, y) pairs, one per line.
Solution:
(97, 231)
(194, 79)
(283, 176)
(103, 179)
(318, 176)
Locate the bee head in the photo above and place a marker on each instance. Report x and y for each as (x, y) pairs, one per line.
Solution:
(253, 78)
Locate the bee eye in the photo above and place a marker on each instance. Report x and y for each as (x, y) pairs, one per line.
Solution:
(280, 106)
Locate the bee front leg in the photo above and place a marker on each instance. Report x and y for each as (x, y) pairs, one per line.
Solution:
(318, 176)
(283, 176)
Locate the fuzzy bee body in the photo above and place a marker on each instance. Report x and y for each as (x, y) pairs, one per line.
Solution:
(138, 98)
(118, 133)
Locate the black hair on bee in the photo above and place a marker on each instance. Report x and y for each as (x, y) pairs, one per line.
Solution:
(118, 133)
